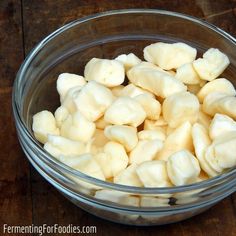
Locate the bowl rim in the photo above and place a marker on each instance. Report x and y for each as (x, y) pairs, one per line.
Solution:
(20, 123)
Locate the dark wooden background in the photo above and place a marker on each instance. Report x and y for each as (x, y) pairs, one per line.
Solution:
(25, 197)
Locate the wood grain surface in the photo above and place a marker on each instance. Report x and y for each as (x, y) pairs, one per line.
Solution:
(25, 197)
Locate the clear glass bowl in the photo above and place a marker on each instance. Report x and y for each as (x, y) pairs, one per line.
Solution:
(107, 35)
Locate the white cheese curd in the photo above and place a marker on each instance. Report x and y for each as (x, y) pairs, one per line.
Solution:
(220, 103)
(169, 55)
(225, 153)
(77, 127)
(220, 125)
(213, 63)
(183, 168)
(132, 91)
(179, 108)
(93, 100)
(84, 163)
(155, 81)
(125, 111)
(159, 125)
(128, 177)
(151, 106)
(61, 115)
(107, 72)
(151, 135)
(145, 150)
(201, 142)
(57, 145)
(66, 81)
(44, 123)
(220, 85)
(118, 157)
(187, 74)
(153, 174)
(128, 60)
(68, 101)
(125, 135)
(117, 197)
(180, 138)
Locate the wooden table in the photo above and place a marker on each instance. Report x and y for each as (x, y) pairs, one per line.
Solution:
(25, 197)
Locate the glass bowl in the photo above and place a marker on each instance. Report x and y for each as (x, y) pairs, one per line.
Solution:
(107, 35)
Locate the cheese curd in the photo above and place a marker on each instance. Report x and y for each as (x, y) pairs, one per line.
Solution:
(220, 85)
(220, 103)
(169, 55)
(61, 115)
(180, 138)
(125, 135)
(179, 108)
(187, 74)
(211, 160)
(107, 72)
(132, 91)
(125, 111)
(66, 81)
(112, 159)
(44, 124)
(117, 196)
(93, 100)
(118, 157)
(159, 125)
(128, 60)
(210, 103)
(204, 119)
(213, 63)
(68, 101)
(145, 150)
(57, 145)
(128, 177)
(227, 105)
(201, 141)
(225, 153)
(171, 122)
(76, 127)
(153, 174)
(183, 168)
(84, 163)
(220, 125)
(151, 106)
(151, 135)
(155, 81)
